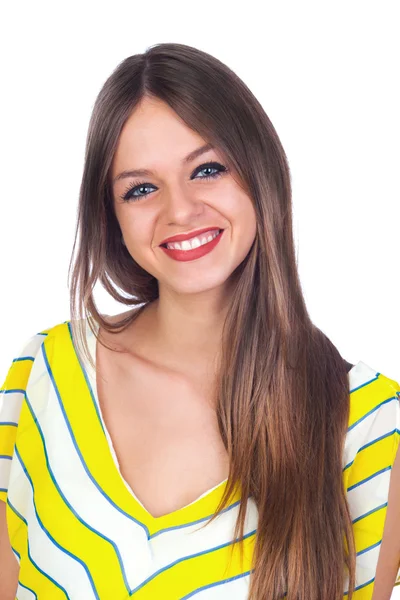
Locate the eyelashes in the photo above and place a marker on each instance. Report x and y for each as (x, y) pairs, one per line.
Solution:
(130, 196)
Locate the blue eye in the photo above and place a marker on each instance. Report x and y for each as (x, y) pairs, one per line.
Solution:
(130, 193)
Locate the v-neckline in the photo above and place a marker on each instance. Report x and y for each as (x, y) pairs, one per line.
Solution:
(200, 508)
(210, 497)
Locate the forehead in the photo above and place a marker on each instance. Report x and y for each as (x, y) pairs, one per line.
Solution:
(153, 135)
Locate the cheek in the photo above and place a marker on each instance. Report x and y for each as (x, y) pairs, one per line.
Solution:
(243, 219)
(139, 235)
(137, 229)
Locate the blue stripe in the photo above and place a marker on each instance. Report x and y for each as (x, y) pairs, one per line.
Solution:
(369, 548)
(368, 478)
(6, 456)
(29, 554)
(48, 534)
(364, 384)
(378, 439)
(358, 587)
(9, 423)
(210, 585)
(76, 515)
(12, 391)
(369, 512)
(27, 588)
(189, 557)
(372, 411)
(24, 358)
(192, 522)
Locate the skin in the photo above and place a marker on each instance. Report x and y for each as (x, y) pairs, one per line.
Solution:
(9, 567)
(186, 321)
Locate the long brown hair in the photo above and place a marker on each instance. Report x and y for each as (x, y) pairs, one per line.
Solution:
(282, 390)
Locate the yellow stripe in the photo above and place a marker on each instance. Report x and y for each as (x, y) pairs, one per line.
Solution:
(97, 553)
(364, 593)
(197, 572)
(372, 459)
(18, 375)
(368, 397)
(3, 496)
(29, 574)
(7, 439)
(368, 530)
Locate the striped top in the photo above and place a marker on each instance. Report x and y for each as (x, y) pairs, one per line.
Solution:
(91, 538)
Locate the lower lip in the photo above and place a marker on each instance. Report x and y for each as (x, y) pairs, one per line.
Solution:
(185, 255)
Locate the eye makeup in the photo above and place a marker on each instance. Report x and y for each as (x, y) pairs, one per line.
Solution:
(130, 191)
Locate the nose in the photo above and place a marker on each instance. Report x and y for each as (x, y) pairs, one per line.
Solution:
(182, 205)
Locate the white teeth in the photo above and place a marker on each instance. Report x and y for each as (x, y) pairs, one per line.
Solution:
(193, 243)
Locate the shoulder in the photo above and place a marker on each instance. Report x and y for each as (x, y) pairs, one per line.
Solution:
(369, 391)
(29, 354)
(25, 369)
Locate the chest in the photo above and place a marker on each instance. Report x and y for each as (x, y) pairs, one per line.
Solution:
(164, 432)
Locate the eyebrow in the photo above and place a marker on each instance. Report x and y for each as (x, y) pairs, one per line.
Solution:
(145, 172)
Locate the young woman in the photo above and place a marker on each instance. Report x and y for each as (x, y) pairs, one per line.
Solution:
(211, 442)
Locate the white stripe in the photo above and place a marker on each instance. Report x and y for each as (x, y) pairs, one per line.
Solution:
(175, 544)
(64, 569)
(79, 490)
(360, 374)
(365, 568)
(16, 556)
(31, 346)
(5, 468)
(369, 495)
(366, 565)
(24, 594)
(10, 406)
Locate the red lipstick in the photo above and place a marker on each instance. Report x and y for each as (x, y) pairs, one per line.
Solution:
(193, 254)
(187, 236)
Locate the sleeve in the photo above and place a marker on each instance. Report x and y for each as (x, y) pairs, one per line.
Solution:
(12, 394)
(376, 447)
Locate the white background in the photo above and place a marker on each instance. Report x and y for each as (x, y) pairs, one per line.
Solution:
(327, 74)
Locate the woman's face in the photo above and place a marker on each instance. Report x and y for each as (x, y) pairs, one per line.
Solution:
(176, 198)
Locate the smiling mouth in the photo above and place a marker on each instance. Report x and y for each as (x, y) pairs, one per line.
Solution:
(166, 245)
